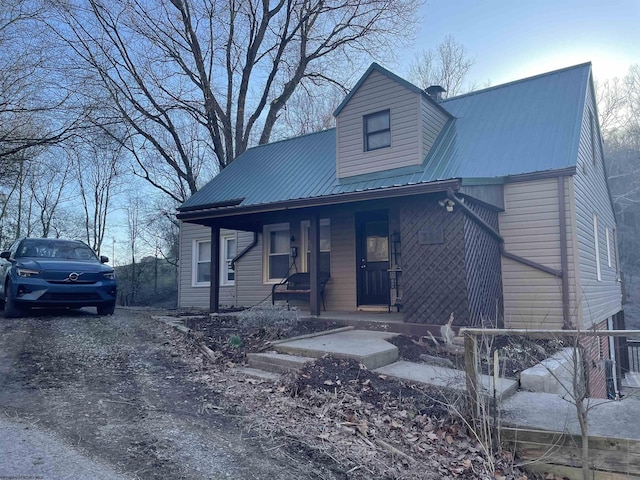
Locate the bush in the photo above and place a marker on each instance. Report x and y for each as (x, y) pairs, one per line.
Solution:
(269, 316)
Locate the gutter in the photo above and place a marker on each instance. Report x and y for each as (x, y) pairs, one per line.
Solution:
(489, 229)
(205, 214)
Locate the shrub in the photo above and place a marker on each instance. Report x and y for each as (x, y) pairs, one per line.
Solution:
(269, 316)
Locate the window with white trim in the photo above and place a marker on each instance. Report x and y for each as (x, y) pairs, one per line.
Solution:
(277, 248)
(608, 249)
(228, 249)
(377, 130)
(325, 245)
(201, 263)
(597, 246)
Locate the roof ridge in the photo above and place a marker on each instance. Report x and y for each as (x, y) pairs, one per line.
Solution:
(515, 82)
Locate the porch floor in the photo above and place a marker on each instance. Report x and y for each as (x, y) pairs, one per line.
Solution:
(374, 320)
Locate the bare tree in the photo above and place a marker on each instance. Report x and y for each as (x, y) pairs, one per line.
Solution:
(97, 159)
(47, 182)
(33, 104)
(200, 81)
(447, 65)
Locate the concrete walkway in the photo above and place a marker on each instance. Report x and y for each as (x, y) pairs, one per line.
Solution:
(372, 349)
(365, 346)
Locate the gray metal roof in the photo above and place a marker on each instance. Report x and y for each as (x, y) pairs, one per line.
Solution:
(532, 125)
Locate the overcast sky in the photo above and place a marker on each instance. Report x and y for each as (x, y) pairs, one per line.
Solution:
(513, 39)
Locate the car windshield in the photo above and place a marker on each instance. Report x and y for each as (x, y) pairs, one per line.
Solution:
(55, 249)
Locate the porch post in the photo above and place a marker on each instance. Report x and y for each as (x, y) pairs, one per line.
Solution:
(214, 290)
(314, 267)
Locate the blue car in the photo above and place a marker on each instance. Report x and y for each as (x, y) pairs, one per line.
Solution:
(53, 273)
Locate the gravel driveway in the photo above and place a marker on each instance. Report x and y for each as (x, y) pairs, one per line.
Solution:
(83, 396)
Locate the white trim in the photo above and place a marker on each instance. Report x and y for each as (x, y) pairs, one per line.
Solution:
(608, 249)
(304, 242)
(224, 258)
(596, 243)
(274, 227)
(195, 261)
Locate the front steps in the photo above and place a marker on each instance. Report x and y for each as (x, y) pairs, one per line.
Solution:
(277, 362)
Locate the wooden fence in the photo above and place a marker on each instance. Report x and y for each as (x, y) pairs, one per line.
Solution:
(559, 453)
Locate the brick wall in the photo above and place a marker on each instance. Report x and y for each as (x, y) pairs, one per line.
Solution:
(596, 351)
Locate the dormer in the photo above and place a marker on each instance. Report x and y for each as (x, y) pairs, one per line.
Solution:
(385, 123)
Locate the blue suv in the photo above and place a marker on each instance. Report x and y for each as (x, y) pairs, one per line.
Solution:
(54, 273)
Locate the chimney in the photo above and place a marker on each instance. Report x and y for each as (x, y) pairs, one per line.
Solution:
(435, 92)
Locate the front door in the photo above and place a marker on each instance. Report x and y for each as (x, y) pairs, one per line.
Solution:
(372, 250)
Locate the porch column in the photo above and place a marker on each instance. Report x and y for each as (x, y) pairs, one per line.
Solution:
(314, 267)
(214, 289)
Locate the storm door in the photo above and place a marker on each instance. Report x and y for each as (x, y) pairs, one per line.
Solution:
(372, 261)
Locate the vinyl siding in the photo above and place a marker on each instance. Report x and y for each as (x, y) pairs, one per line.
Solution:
(530, 226)
(599, 299)
(432, 122)
(341, 292)
(198, 296)
(378, 93)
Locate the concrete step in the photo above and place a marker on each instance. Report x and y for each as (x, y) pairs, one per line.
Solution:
(259, 374)
(631, 380)
(277, 362)
(438, 376)
(364, 346)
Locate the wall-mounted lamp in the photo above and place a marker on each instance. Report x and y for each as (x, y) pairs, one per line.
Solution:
(448, 204)
(293, 239)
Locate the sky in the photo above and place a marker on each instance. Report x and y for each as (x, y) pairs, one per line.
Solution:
(514, 39)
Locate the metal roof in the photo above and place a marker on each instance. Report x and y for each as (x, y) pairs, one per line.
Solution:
(527, 126)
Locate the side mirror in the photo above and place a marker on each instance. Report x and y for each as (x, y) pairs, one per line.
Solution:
(5, 255)
(104, 259)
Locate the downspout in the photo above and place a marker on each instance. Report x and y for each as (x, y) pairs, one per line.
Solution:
(564, 256)
(244, 251)
(517, 258)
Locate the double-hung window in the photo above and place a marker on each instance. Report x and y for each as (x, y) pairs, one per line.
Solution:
(377, 130)
(325, 245)
(228, 248)
(277, 248)
(201, 263)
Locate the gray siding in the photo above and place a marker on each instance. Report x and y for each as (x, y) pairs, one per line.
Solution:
(432, 122)
(599, 299)
(378, 93)
(530, 226)
(341, 289)
(198, 296)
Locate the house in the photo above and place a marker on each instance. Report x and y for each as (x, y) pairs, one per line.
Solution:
(492, 206)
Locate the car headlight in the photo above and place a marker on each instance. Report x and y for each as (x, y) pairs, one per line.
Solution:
(26, 272)
(109, 275)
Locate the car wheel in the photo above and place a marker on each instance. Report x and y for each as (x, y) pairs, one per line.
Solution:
(11, 310)
(106, 309)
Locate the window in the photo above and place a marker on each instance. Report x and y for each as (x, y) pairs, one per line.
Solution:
(608, 249)
(276, 252)
(228, 248)
(201, 263)
(325, 245)
(597, 246)
(377, 130)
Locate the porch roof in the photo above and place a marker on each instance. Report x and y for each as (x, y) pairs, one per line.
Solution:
(528, 126)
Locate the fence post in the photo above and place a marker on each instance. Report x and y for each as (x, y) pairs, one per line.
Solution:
(470, 362)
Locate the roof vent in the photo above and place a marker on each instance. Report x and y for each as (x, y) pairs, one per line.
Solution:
(435, 92)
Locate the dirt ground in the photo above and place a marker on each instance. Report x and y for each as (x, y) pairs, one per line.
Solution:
(119, 390)
(148, 401)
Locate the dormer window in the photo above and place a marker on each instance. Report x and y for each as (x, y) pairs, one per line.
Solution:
(377, 130)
